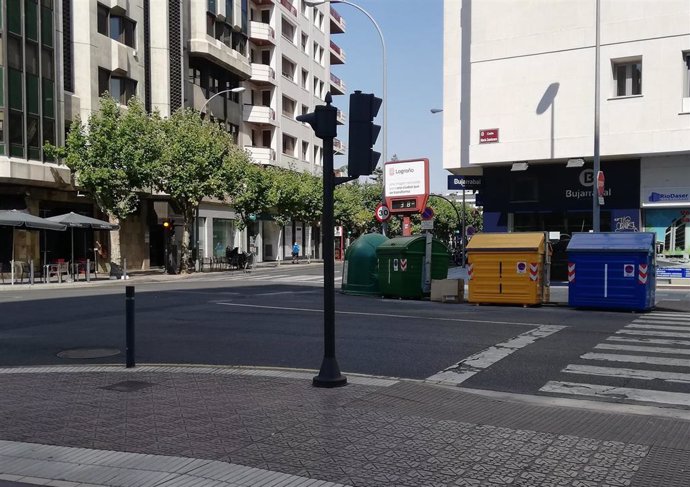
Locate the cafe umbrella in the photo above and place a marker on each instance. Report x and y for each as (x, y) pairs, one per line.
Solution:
(22, 219)
(75, 220)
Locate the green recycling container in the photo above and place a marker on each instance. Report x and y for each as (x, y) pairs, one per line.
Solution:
(360, 269)
(401, 265)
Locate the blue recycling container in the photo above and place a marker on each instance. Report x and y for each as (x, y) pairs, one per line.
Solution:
(612, 270)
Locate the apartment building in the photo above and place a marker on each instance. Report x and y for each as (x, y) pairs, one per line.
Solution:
(252, 65)
(519, 105)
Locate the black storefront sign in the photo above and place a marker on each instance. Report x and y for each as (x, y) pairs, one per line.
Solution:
(554, 187)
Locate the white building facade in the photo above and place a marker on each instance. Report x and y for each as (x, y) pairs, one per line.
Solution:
(519, 88)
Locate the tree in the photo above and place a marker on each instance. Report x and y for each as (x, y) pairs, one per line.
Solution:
(196, 162)
(112, 157)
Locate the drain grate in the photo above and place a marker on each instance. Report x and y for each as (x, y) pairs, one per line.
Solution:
(88, 352)
(129, 386)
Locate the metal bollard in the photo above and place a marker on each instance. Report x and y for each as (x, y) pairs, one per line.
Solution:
(124, 269)
(129, 326)
(87, 271)
(31, 272)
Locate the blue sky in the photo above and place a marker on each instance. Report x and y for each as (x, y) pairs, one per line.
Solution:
(413, 32)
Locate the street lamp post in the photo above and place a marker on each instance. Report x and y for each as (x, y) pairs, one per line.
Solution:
(239, 89)
(596, 210)
(462, 237)
(316, 3)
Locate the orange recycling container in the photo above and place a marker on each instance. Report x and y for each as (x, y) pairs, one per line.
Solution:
(509, 268)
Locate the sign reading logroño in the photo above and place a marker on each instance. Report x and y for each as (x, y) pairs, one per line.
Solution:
(406, 185)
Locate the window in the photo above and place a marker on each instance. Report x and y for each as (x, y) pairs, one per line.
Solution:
(686, 58)
(305, 150)
(305, 43)
(288, 30)
(14, 53)
(211, 6)
(288, 69)
(117, 27)
(288, 107)
(305, 79)
(628, 78)
(16, 134)
(120, 88)
(289, 144)
(103, 14)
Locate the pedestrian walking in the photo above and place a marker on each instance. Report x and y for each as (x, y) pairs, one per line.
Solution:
(295, 253)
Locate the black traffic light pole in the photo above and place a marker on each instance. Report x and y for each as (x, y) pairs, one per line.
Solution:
(324, 122)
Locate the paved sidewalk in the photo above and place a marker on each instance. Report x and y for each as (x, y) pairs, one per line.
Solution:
(197, 426)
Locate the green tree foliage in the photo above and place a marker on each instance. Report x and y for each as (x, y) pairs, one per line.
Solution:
(112, 156)
(199, 159)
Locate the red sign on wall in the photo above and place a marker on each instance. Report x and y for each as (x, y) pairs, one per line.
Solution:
(486, 136)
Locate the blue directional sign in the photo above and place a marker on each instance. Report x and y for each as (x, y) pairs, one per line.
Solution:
(464, 182)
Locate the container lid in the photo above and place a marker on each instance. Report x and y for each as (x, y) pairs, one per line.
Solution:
(400, 242)
(506, 241)
(365, 246)
(612, 242)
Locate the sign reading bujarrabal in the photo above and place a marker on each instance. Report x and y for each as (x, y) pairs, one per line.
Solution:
(406, 185)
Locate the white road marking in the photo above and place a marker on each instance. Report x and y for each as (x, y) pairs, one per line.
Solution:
(652, 333)
(669, 315)
(636, 348)
(642, 359)
(609, 392)
(384, 315)
(665, 319)
(656, 341)
(463, 370)
(660, 327)
(283, 292)
(628, 373)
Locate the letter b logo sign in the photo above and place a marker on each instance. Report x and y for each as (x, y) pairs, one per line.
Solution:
(587, 177)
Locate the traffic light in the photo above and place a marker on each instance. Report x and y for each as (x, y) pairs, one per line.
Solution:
(324, 120)
(361, 158)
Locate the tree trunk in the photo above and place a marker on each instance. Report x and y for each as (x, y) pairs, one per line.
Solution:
(187, 218)
(114, 254)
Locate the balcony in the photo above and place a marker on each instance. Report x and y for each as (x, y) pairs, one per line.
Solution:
(340, 118)
(337, 22)
(337, 85)
(262, 155)
(259, 115)
(337, 54)
(289, 7)
(262, 34)
(338, 147)
(263, 74)
(264, 2)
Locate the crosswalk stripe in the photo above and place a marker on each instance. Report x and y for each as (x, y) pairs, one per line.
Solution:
(643, 359)
(638, 348)
(656, 341)
(671, 315)
(653, 333)
(662, 320)
(660, 327)
(628, 373)
(608, 392)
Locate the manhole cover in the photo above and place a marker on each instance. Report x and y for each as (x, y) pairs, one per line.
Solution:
(128, 386)
(88, 353)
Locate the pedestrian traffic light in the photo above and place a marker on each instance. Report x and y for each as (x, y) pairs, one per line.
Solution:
(324, 119)
(362, 159)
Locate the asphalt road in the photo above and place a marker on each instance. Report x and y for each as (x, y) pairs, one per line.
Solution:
(273, 318)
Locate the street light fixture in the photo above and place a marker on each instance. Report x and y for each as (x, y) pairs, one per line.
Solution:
(436, 110)
(239, 89)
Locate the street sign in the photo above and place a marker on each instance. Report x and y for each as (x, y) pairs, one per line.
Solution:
(382, 213)
(406, 185)
(465, 182)
(470, 231)
(428, 224)
(338, 231)
(428, 213)
(487, 136)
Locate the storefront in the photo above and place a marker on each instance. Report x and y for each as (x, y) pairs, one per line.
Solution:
(551, 197)
(665, 200)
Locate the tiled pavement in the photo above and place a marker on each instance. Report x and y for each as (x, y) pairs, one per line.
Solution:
(369, 433)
